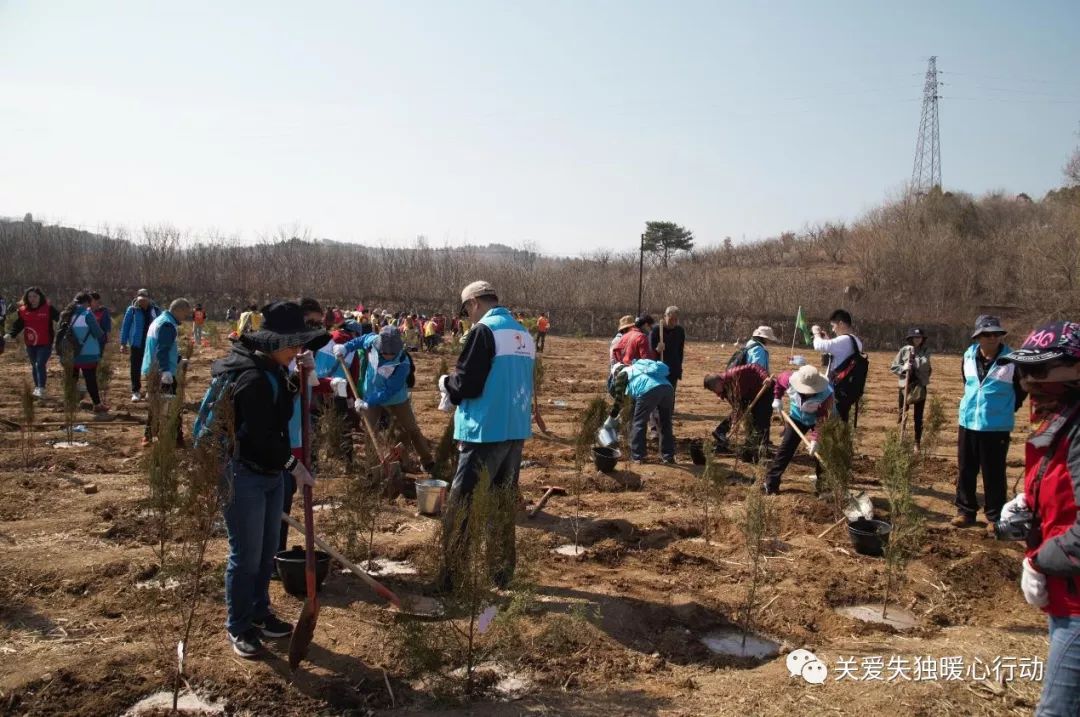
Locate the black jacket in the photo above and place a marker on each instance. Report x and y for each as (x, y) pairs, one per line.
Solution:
(674, 341)
(261, 422)
(473, 365)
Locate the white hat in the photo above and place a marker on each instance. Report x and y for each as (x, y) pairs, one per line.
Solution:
(766, 333)
(808, 380)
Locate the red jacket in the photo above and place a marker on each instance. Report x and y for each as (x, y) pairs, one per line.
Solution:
(633, 346)
(36, 324)
(1054, 501)
(740, 384)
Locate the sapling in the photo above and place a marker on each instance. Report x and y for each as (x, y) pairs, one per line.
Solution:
(896, 470)
(105, 371)
(933, 425)
(836, 448)
(755, 525)
(163, 460)
(712, 486)
(71, 394)
(589, 423)
(446, 454)
(26, 399)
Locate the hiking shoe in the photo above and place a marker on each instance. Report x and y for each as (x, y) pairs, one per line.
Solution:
(135, 398)
(246, 644)
(668, 460)
(101, 408)
(962, 521)
(39, 392)
(272, 626)
(991, 531)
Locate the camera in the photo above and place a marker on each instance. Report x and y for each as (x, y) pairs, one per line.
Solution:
(1015, 526)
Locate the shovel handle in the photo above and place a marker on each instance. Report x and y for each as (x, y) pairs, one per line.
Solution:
(363, 416)
(309, 516)
(380, 590)
(802, 437)
(832, 527)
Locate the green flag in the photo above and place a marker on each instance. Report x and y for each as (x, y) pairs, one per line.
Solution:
(800, 325)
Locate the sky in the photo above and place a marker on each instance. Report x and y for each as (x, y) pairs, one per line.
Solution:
(561, 124)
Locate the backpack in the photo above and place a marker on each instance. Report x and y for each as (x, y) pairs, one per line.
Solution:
(221, 386)
(67, 343)
(849, 378)
(740, 358)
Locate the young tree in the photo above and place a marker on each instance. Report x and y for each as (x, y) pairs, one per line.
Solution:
(665, 238)
(896, 470)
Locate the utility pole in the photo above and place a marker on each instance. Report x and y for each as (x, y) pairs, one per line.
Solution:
(640, 273)
(926, 172)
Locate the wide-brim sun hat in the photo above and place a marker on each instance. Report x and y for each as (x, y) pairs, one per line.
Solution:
(808, 380)
(626, 322)
(284, 327)
(1049, 342)
(765, 333)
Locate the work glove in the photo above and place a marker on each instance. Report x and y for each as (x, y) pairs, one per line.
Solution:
(776, 405)
(1033, 584)
(303, 476)
(307, 360)
(812, 448)
(444, 395)
(1013, 507)
(167, 378)
(338, 386)
(815, 329)
(339, 350)
(360, 404)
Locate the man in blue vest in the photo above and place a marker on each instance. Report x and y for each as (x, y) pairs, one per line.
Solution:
(992, 396)
(492, 387)
(162, 351)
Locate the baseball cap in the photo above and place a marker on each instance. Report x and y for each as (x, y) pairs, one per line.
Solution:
(474, 291)
(1049, 342)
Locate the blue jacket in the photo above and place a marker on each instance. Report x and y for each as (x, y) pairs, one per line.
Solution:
(89, 335)
(493, 384)
(161, 345)
(990, 404)
(384, 380)
(132, 329)
(644, 375)
(757, 353)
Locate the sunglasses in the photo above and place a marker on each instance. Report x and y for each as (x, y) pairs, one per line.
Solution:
(1042, 370)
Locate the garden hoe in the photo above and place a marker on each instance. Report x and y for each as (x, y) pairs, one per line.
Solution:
(309, 615)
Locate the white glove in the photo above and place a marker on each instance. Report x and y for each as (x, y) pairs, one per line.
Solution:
(1014, 506)
(1033, 584)
(307, 360)
(444, 396)
(339, 350)
(167, 378)
(339, 385)
(303, 476)
(360, 404)
(776, 405)
(815, 329)
(312, 378)
(812, 448)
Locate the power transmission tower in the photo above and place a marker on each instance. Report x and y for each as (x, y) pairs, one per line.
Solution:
(926, 174)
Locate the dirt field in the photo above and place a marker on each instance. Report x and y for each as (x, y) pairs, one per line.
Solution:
(77, 636)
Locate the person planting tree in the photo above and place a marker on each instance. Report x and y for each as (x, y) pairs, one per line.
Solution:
(741, 386)
(912, 368)
(992, 396)
(137, 320)
(810, 399)
(1048, 366)
(254, 377)
(647, 384)
(492, 387)
(36, 321)
(162, 354)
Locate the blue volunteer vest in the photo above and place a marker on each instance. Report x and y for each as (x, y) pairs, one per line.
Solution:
(988, 405)
(503, 412)
(757, 353)
(378, 372)
(804, 410)
(151, 349)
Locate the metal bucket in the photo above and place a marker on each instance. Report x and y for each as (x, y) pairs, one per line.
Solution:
(430, 496)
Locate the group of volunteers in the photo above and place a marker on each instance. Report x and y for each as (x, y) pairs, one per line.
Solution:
(490, 391)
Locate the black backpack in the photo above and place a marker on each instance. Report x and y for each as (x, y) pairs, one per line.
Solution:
(66, 343)
(740, 358)
(849, 378)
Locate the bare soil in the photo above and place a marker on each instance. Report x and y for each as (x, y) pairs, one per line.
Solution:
(77, 636)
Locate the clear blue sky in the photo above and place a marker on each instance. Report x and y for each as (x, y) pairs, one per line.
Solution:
(563, 123)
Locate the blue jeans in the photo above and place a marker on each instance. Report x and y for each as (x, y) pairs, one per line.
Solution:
(1061, 683)
(253, 520)
(662, 400)
(39, 358)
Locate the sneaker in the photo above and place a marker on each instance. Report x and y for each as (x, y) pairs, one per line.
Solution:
(272, 626)
(135, 397)
(39, 392)
(247, 644)
(962, 521)
(668, 460)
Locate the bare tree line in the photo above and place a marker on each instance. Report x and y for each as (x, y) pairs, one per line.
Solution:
(936, 261)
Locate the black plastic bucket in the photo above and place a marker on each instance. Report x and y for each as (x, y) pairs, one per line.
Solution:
(290, 568)
(605, 458)
(697, 453)
(869, 537)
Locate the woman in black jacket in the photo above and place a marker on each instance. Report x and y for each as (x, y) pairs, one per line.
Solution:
(262, 395)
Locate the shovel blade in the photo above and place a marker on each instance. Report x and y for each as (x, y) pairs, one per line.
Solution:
(607, 437)
(303, 633)
(859, 506)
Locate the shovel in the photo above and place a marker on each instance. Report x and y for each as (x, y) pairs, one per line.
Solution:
(387, 459)
(309, 615)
